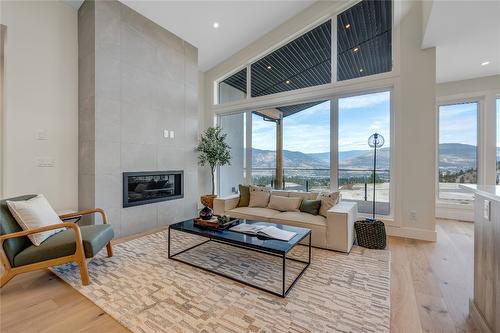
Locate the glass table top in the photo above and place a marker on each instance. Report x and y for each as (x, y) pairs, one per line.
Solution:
(252, 241)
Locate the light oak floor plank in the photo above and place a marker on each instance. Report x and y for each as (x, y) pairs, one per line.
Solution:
(431, 284)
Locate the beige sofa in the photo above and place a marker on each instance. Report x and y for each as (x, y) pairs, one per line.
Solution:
(335, 232)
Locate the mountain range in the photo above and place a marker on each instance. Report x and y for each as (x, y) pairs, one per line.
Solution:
(453, 156)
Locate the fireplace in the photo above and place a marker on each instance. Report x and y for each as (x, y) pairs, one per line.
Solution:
(141, 188)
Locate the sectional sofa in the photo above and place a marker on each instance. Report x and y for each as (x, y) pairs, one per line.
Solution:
(333, 232)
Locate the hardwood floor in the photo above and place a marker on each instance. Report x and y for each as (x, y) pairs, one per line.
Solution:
(431, 284)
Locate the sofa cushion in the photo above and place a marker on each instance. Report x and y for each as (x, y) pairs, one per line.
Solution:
(259, 196)
(284, 204)
(303, 195)
(317, 224)
(252, 213)
(310, 206)
(244, 196)
(328, 200)
(300, 217)
(280, 193)
(94, 238)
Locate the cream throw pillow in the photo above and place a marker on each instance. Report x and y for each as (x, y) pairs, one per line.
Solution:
(328, 200)
(35, 213)
(259, 196)
(284, 204)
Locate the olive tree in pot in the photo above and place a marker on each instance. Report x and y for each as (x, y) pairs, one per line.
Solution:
(213, 151)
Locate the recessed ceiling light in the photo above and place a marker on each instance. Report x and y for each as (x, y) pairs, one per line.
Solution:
(269, 67)
(348, 25)
(485, 63)
(356, 49)
(215, 25)
(288, 81)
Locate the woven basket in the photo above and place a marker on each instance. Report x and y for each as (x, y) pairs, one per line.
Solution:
(370, 234)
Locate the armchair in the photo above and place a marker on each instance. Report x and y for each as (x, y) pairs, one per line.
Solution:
(75, 244)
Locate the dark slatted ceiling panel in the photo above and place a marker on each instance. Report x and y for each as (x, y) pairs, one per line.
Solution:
(292, 109)
(238, 80)
(363, 47)
(304, 62)
(364, 39)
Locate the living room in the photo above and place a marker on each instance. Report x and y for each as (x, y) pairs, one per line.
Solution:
(358, 141)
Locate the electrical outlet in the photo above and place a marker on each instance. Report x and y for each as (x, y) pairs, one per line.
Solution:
(413, 215)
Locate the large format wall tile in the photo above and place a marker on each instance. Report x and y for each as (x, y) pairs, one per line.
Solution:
(138, 157)
(136, 80)
(107, 119)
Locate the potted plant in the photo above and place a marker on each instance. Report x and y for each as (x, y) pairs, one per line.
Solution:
(213, 151)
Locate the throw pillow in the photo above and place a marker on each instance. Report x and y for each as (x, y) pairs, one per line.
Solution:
(284, 204)
(259, 196)
(244, 196)
(35, 213)
(310, 206)
(328, 200)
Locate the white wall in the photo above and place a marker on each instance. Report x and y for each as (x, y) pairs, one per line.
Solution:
(41, 94)
(414, 119)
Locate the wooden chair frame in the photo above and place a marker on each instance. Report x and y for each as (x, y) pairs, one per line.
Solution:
(78, 256)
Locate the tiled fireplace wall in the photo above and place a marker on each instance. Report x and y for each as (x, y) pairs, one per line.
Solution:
(136, 80)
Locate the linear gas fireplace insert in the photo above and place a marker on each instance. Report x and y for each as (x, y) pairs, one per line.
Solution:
(140, 188)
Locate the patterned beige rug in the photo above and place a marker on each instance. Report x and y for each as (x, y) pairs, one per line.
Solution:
(147, 292)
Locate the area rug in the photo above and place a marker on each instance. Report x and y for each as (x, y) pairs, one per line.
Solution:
(147, 292)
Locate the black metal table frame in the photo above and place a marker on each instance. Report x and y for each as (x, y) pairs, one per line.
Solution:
(283, 256)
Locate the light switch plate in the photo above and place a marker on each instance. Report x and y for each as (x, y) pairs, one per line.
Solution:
(487, 210)
(172, 134)
(41, 134)
(165, 134)
(45, 162)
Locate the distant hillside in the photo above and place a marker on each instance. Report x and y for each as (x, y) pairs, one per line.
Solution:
(453, 156)
(457, 156)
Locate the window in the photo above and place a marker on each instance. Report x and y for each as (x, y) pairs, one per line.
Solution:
(364, 41)
(230, 176)
(457, 149)
(264, 127)
(359, 117)
(363, 48)
(304, 62)
(234, 88)
(498, 141)
(306, 146)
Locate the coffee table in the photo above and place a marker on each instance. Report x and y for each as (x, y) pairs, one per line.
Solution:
(268, 246)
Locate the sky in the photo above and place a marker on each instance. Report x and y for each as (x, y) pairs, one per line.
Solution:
(308, 131)
(458, 123)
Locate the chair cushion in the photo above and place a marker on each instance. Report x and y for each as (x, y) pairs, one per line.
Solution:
(252, 213)
(94, 238)
(35, 213)
(9, 225)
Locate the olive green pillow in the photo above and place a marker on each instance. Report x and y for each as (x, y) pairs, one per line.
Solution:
(310, 206)
(244, 196)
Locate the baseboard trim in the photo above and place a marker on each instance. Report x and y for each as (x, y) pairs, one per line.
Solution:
(478, 318)
(455, 212)
(413, 233)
